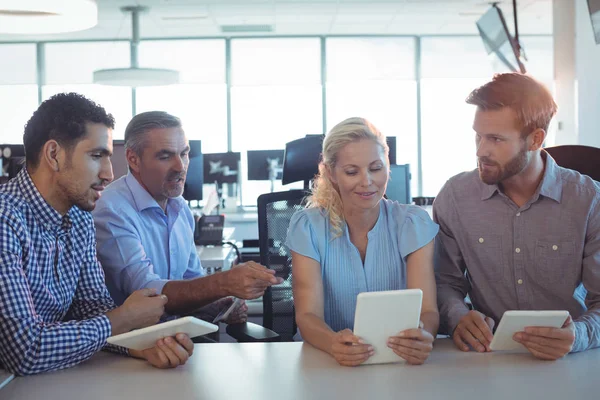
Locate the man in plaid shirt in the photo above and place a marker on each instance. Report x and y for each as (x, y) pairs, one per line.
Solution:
(55, 310)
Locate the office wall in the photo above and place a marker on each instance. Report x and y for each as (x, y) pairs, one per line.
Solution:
(587, 55)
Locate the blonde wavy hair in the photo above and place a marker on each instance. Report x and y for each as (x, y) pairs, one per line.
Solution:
(325, 194)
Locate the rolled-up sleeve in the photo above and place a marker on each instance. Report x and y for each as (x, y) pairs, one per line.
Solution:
(587, 326)
(452, 284)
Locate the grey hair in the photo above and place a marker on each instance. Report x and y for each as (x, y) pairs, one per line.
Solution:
(142, 123)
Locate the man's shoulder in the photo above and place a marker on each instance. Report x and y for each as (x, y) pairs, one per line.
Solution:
(116, 197)
(465, 184)
(578, 184)
(12, 206)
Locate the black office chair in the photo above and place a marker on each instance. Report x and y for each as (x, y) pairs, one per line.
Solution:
(583, 159)
(274, 213)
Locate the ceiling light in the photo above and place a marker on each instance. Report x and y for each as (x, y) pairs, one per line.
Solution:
(135, 76)
(43, 16)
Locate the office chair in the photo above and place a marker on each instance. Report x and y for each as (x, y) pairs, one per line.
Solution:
(583, 159)
(274, 213)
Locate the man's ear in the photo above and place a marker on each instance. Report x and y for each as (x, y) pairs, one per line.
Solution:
(536, 139)
(52, 155)
(133, 160)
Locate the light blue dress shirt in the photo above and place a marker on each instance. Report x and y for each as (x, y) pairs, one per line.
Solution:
(139, 246)
(399, 231)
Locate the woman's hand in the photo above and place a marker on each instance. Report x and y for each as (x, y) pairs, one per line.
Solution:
(350, 350)
(414, 345)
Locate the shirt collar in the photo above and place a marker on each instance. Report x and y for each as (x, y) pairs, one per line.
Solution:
(44, 212)
(551, 185)
(143, 200)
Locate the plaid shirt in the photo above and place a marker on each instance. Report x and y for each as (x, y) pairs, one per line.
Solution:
(52, 292)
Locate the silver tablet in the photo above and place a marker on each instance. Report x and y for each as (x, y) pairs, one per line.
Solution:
(380, 315)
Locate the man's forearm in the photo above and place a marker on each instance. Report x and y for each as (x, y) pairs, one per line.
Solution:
(452, 308)
(187, 296)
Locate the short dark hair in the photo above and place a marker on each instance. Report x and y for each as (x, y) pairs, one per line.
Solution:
(62, 118)
(143, 123)
(527, 97)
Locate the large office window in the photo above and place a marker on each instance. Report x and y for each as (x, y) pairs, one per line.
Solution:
(374, 78)
(70, 68)
(275, 97)
(200, 100)
(451, 68)
(18, 90)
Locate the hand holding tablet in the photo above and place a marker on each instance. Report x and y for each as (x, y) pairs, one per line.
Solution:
(145, 338)
(513, 322)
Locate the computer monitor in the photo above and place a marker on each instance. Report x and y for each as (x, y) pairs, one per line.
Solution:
(391, 142)
(265, 165)
(118, 160)
(594, 8)
(301, 159)
(194, 180)
(221, 167)
(13, 159)
(398, 187)
(498, 42)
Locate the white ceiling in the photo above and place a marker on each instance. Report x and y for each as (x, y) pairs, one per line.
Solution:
(193, 18)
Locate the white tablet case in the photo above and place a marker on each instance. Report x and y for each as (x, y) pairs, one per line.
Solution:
(380, 315)
(516, 321)
(145, 338)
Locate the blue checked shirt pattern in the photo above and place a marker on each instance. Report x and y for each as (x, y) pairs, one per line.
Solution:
(52, 292)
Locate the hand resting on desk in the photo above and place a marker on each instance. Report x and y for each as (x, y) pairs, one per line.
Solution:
(475, 330)
(350, 350)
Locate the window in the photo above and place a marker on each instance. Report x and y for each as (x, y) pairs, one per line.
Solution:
(451, 69)
(70, 68)
(200, 100)
(374, 78)
(275, 98)
(18, 90)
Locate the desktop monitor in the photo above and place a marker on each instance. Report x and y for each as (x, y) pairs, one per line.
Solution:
(194, 180)
(13, 159)
(119, 162)
(265, 165)
(398, 187)
(221, 167)
(301, 159)
(594, 9)
(498, 42)
(391, 142)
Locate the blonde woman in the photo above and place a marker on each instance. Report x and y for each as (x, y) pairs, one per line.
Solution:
(350, 240)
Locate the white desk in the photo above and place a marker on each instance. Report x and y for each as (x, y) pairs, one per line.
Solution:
(282, 371)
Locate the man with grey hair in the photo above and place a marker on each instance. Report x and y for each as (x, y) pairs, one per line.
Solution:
(145, 230)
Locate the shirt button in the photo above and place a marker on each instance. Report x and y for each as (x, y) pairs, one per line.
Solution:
(518, 214)
(517, 250)
(520, 281)
(481, 240)
(555, 247)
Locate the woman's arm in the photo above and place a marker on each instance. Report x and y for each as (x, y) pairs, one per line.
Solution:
(420, 275)
(415, 345)
(344, 346)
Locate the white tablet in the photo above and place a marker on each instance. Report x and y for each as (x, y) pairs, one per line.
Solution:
(145, 338)
(380, 315)
(516, 321)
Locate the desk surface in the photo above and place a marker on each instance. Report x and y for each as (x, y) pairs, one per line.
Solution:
(299, 371)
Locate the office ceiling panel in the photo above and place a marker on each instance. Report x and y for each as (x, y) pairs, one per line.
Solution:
(190, 18)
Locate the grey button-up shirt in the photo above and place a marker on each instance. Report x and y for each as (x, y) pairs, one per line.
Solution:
(542, 256)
